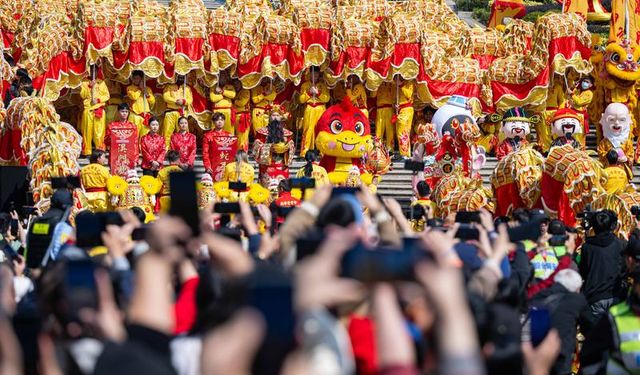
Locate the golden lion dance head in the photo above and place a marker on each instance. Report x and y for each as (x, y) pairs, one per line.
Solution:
(622, 62)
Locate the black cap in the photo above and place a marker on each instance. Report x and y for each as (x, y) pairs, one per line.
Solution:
(556, 228)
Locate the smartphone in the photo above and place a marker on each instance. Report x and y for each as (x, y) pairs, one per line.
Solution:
(140, 233)
(184, 199)
(80, 290)
(302, 183)
(465, 232)
(381, 264)
(91, 225)
(340, 190)
(271, 293)
(237, 186)
(226, 208)
(540, 323)
(415, 166)
(468, 217)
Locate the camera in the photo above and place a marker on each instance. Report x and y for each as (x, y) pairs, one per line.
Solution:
(587, 216)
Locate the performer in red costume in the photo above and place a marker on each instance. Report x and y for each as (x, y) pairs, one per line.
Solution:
(121, 139)
(218, 148)
(153, 149)
(515, 126)
(185, 143)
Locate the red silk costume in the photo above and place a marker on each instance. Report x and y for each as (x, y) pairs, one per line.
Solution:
(185, 144)
(121, 138)
(218, 148)
(152, 148)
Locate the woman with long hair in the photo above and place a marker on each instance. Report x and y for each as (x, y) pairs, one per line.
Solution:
(239, 170)
(312, 169)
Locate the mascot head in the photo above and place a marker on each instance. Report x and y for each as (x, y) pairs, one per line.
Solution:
(566, 121)
(448, 118)
(343, 131)
(616, 123)
(621, 62)
(515, 123)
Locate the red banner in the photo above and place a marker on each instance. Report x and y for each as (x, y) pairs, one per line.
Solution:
(122, 140)
(222, 152)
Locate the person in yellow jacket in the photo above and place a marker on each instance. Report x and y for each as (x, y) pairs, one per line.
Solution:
(314, 94)
(617, 174)
(239, 171)
(242, 124)
(394, 117)
(313, 170)
(357, 94)
(581, 98)
(141, 105)
(93, 178)
(172, 158)
(556, 98)
(262, 96)
(222, 96)
(95, 95)
(179, 99)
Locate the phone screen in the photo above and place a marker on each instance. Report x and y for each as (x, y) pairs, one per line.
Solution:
(184, 199)
(467, 217)
(80, 288)
(340, 190)
(540, 320)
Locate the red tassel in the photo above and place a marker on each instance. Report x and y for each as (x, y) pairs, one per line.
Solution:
(146, 117)
(394, 119)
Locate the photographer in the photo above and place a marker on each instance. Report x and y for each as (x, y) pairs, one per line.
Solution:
(601, 264)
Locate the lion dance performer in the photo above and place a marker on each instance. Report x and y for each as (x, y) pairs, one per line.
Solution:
(93, 178)
(222, 96)
(314, 94)
(262, 97)
(179, 99)
(95, 95)
(394, 114)
(142, 100)
(242, 106)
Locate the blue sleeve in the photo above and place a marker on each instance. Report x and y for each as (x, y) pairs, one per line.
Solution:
(254, 243)
(505, 267)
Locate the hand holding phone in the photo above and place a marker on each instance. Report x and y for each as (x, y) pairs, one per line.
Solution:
(184, 199)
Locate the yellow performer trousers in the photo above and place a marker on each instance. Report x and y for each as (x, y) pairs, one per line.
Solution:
(169, 125)
(92, 130)
(310, 118)
(385, 128)
(543, 130)
(243, 140)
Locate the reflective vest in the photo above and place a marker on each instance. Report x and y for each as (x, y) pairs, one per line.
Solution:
(627, 337)
(544, 264)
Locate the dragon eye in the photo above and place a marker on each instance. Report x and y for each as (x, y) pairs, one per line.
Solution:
(336, 126)
(359, 128)
(615, 58)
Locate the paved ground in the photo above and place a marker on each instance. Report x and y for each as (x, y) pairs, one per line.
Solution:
(465, 16)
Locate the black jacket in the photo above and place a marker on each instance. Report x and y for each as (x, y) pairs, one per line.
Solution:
(601, 266)
(565, 312)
